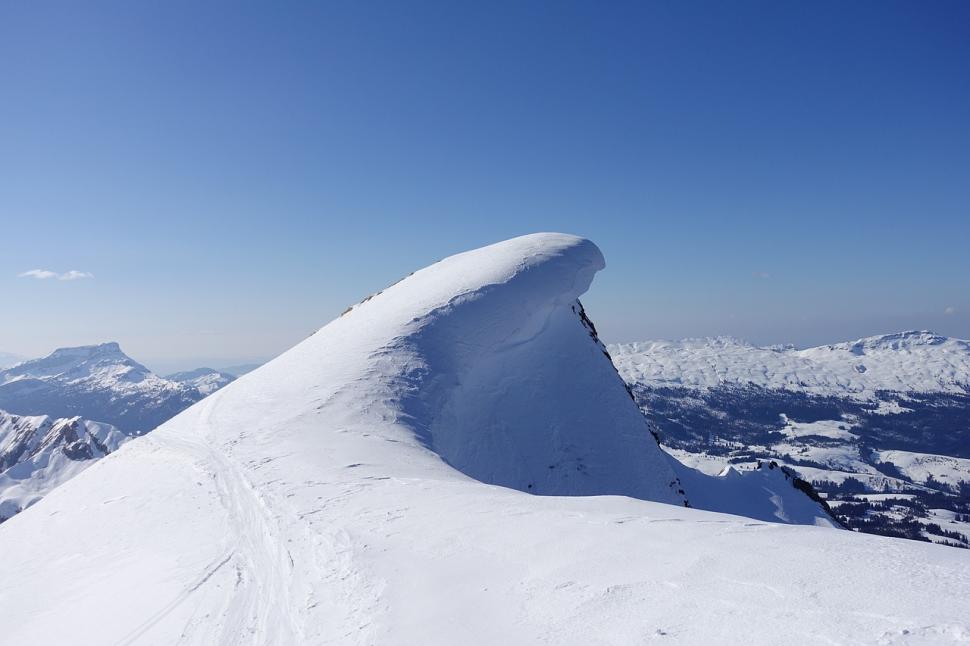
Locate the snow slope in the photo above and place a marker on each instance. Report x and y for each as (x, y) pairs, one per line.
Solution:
(904, 362)
(764, 492)
(920, 466)
(97, 382)
(347, 493)
(38, 453)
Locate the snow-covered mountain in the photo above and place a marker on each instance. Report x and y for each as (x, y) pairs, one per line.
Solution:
(38, 453)
(374, 485)
(881, 425)
(96, 382)
(912, 361)
(205, 380)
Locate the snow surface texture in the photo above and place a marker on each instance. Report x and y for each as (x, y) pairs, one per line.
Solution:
(335, 495)
(904, 362)
(38, 453)
(97, 382)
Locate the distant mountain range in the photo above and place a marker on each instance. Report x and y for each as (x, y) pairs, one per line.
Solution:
(47, 404)
(881, 425)
(205, 380)
(103, 383)
(914, 361)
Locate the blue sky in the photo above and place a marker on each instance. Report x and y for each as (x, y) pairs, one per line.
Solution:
(234, 175)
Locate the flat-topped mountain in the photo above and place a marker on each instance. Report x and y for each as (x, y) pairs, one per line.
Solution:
(96, 382)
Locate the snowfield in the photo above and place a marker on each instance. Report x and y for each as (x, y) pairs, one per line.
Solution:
(920, 466)
(375, 485)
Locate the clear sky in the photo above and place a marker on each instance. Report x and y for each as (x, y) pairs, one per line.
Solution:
(233, 175)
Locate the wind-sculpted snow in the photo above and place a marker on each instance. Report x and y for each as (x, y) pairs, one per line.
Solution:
(346, 493)
(504, 381)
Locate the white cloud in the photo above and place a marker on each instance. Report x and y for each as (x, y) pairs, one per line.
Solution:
(40, 274)
(761, 274)
(74, 274)
(950, 310)
(44, 274)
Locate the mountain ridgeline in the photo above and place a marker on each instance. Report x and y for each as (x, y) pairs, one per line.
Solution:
(881, 425)
(102, 383)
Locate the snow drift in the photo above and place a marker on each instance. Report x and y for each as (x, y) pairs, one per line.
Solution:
(497, 371)
(346, 493)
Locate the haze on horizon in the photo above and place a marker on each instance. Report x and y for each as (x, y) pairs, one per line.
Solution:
(211, 184)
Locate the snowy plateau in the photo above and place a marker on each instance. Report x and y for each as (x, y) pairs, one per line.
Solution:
(454, 460)
(879, 426)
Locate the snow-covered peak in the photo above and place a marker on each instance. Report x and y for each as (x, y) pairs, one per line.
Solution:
(96, 382)
(105, 359)
(540, 267)
(485, 359)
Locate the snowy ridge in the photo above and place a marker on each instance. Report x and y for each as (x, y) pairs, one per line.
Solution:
(905, 362)
(38, 453)
(346, 493)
